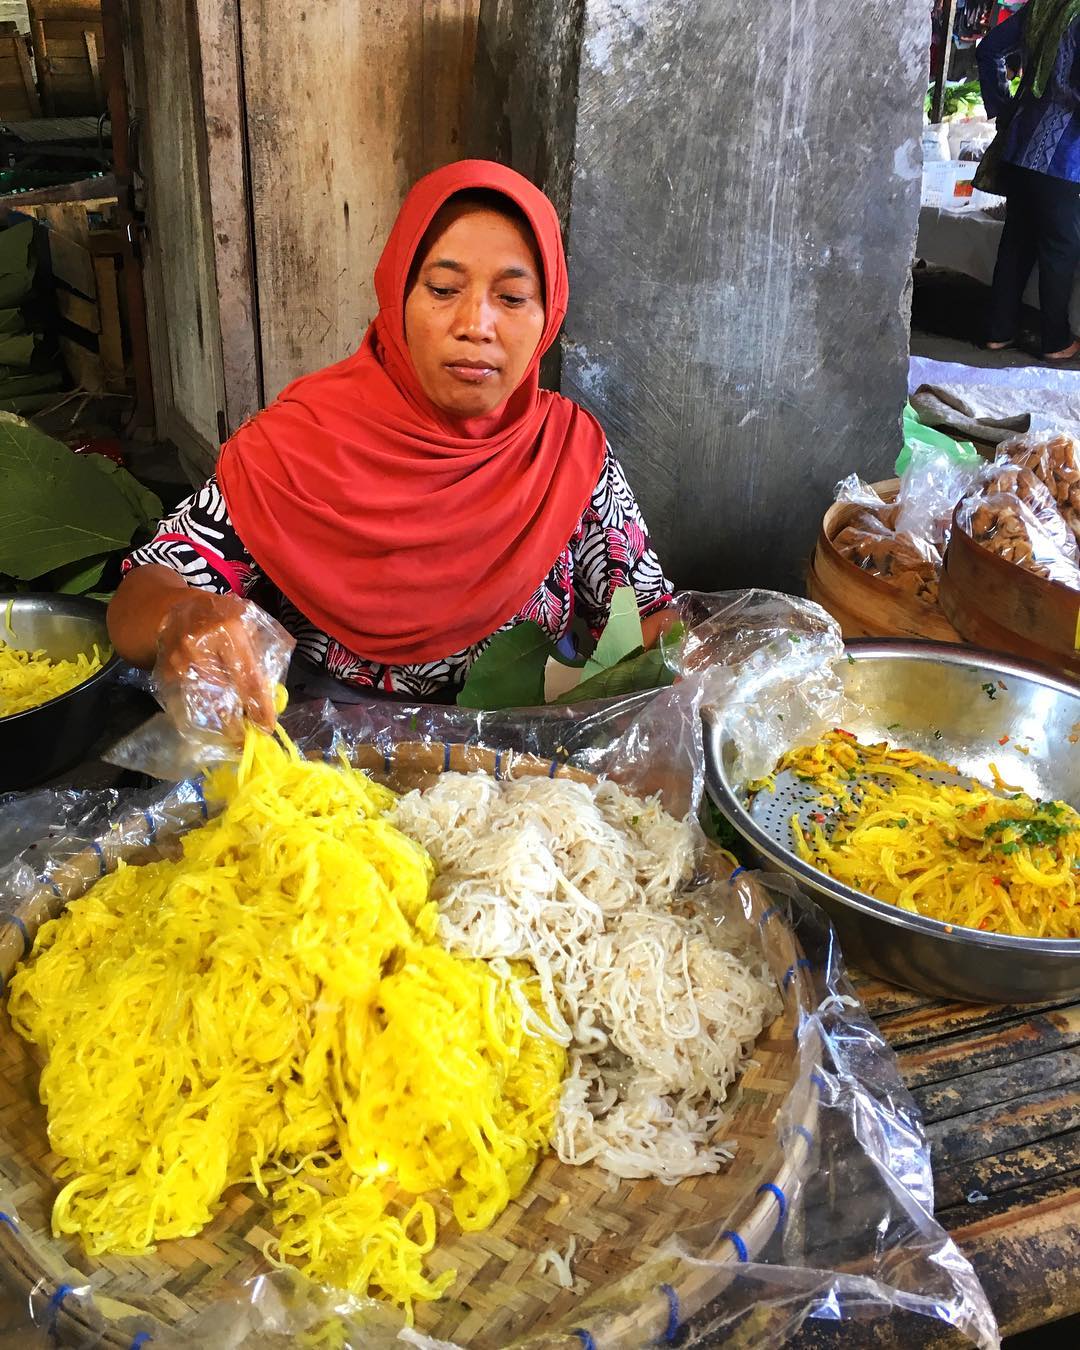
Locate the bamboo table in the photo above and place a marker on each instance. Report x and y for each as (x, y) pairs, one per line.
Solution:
(999, 1092)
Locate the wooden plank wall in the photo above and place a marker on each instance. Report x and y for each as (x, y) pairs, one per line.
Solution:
(346, 105)
(182, 301)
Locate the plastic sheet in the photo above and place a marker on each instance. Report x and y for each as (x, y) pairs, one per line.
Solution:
(846, 1230)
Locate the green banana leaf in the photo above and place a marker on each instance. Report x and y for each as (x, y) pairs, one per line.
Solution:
(621, 636)
(509, 672)
(639, 671)
(75, 578)
(57, 507)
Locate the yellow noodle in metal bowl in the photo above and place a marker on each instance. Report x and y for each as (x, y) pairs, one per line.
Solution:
(968, 855)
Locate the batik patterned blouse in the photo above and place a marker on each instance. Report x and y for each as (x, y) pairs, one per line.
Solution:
(609, 549)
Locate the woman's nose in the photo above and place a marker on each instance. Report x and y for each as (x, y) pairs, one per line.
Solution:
(475, 319)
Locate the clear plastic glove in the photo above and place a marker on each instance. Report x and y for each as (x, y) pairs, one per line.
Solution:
(220, 660)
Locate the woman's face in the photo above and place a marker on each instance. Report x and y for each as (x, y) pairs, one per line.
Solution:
(475, 313)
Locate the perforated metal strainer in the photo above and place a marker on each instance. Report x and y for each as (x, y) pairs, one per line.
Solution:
(964, 707)
(772, 809)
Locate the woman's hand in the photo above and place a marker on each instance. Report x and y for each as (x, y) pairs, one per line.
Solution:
(195, 640)
(204, 644)
(658, 625)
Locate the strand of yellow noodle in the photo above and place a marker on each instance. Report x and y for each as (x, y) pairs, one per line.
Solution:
(272, 1006)
(28, 679)
(940, 850)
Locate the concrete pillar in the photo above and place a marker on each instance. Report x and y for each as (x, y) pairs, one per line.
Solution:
(740, 183)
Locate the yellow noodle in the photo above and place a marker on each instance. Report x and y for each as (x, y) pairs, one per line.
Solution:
(960, 854)
(273, 1007)
(28, 679)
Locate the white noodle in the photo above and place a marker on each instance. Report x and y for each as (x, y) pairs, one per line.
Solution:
(581, 881)
(558, 1263)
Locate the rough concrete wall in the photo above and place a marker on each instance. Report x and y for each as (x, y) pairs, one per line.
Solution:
(525, 90)
(743, 208)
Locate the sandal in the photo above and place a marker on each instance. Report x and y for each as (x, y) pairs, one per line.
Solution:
(1071, 353)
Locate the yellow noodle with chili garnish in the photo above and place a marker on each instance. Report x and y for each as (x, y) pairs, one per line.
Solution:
(961, 854)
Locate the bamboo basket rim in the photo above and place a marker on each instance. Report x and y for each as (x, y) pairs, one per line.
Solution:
(694, 1283)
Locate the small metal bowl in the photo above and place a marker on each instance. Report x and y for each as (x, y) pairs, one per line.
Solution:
(957, 704)
(46, 740)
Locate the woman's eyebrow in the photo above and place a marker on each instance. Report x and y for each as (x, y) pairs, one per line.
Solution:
(448, 263)
(509, 273)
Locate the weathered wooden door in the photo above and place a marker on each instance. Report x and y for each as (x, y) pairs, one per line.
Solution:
(277, 142)
(184, 77)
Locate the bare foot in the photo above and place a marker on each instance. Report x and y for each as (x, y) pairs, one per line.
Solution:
(997, 346)
(1066, 354)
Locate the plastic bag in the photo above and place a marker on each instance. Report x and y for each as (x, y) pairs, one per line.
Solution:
(870, 538)
(1055, 462)
(904, 541)
(204, 707)
(1012, 514)
(841, 1224)
(932, 482)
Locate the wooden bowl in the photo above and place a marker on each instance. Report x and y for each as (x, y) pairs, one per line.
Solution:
(622, 1228)
(866, 605)
(1003, 606)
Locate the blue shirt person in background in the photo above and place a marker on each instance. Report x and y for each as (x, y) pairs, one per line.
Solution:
(1041, 168)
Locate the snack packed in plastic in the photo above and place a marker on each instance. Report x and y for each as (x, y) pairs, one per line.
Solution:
(1013, 514)
(871, 540)
(1056, 464)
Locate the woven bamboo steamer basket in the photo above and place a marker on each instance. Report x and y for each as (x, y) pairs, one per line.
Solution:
(620, 1226)
(865, 605)
(1003, 606)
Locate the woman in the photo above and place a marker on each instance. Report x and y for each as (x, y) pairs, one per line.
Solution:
(398, 509)
(1041, 169)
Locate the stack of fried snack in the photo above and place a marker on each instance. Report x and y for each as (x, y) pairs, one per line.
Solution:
(871, 541)
(1026, 507)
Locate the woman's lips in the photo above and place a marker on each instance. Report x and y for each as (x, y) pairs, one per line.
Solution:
(472, 374)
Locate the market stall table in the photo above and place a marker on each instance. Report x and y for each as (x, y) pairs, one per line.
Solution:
(967, 241)
(999, 1090)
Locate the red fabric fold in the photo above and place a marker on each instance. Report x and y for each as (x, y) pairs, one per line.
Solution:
(404, 533)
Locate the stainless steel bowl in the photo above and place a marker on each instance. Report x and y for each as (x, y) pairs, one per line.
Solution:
(47, 739)
(956, 703)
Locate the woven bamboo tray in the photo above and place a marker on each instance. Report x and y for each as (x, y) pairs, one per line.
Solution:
(621, 1227)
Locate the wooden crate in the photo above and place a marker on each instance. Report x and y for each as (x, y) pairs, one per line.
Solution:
(18, 93)
(85, 250)
(69, 54)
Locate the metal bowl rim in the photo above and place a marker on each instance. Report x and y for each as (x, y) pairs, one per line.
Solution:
(77, 602)
(953, 654)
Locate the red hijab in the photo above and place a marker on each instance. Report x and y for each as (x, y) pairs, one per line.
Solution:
(407, 534)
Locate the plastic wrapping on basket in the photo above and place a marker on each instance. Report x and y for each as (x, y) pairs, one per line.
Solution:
(1013, 514)
(842, 1228)
(904, 541)
(772, 654)
(1055, 461)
